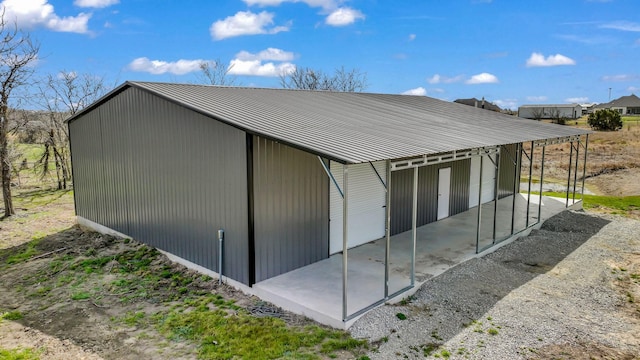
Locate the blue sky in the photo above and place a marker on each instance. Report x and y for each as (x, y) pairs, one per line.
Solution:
(511, 52)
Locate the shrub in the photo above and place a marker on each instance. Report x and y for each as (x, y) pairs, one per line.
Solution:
(605, 119)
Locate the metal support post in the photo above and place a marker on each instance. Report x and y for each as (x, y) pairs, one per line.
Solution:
(497, 198)
(575, 171)
(584, 166)
(387, 248)
(569, 177)
(479, 207)
(345, 236)
(544, 147)
(414, 224)
(529, 189)
(516, 186)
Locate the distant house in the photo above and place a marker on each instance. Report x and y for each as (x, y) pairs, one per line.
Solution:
(482, 104)
(626, 105)
(587, 108)
(550, 111)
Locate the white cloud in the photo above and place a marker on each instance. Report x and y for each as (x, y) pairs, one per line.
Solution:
(577, 100)
(246, 63)
(412, 37)
(483, 78)
(36, 13)
(633, 89)
(245, 23)
(257, 68)
(538, 59)
(325, 4)
(95, 3)
(589, 40)
(158, 67)
(420, 91)
(343, 16)
(439, 79)
(338, 16)
(622, 26)
(272, 54)
(621, 77)
(537, 99)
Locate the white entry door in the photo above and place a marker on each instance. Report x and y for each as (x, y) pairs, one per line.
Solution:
(444, 186)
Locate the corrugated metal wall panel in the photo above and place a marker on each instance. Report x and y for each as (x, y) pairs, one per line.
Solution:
(508, 174)
(87, 166)
(291, 208)
(402, 194)
(168, 177)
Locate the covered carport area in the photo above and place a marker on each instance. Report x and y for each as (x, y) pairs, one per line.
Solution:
(337, 290)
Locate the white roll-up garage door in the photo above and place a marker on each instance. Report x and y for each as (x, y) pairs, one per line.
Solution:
(488, 180)
(366, 198)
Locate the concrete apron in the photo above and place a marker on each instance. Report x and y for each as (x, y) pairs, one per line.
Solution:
(316, 289)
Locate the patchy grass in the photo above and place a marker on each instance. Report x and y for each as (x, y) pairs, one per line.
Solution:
(11, 315)
(620, 205)
(224, 330)
(28, 252)
(19, 354)
(163, 302)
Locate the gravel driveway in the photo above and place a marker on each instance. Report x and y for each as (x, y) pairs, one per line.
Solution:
(552, 294)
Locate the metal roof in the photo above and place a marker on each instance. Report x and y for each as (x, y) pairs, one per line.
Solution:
(624, 101)
(353, 127)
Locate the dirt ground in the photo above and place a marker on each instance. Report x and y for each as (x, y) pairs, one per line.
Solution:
(624, 182)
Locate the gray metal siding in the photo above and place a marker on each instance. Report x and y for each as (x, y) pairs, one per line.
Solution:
(508, 174)
(291, 208)
(166, 176)
(402, 194)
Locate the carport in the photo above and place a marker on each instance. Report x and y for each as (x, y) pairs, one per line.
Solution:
(396, 265)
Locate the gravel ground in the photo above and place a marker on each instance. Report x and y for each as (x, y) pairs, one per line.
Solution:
(549, 295)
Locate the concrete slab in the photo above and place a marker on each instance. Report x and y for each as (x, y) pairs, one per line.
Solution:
(316, 290)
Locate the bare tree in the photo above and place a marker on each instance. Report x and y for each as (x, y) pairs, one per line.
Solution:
(537, 113)
(63, 95)
(214, 72)
(17, 53)
(312, 79)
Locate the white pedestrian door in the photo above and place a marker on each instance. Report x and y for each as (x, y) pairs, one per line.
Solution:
(444, 186)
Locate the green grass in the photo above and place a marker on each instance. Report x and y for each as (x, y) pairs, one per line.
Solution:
(225, 331)
(32, 152)
(24, 255)
(38, 198)
(19, 354)
(616, 203)
(11, 315)
(80, 295)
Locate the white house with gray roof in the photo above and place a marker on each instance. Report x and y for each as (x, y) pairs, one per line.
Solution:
(627, 105)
